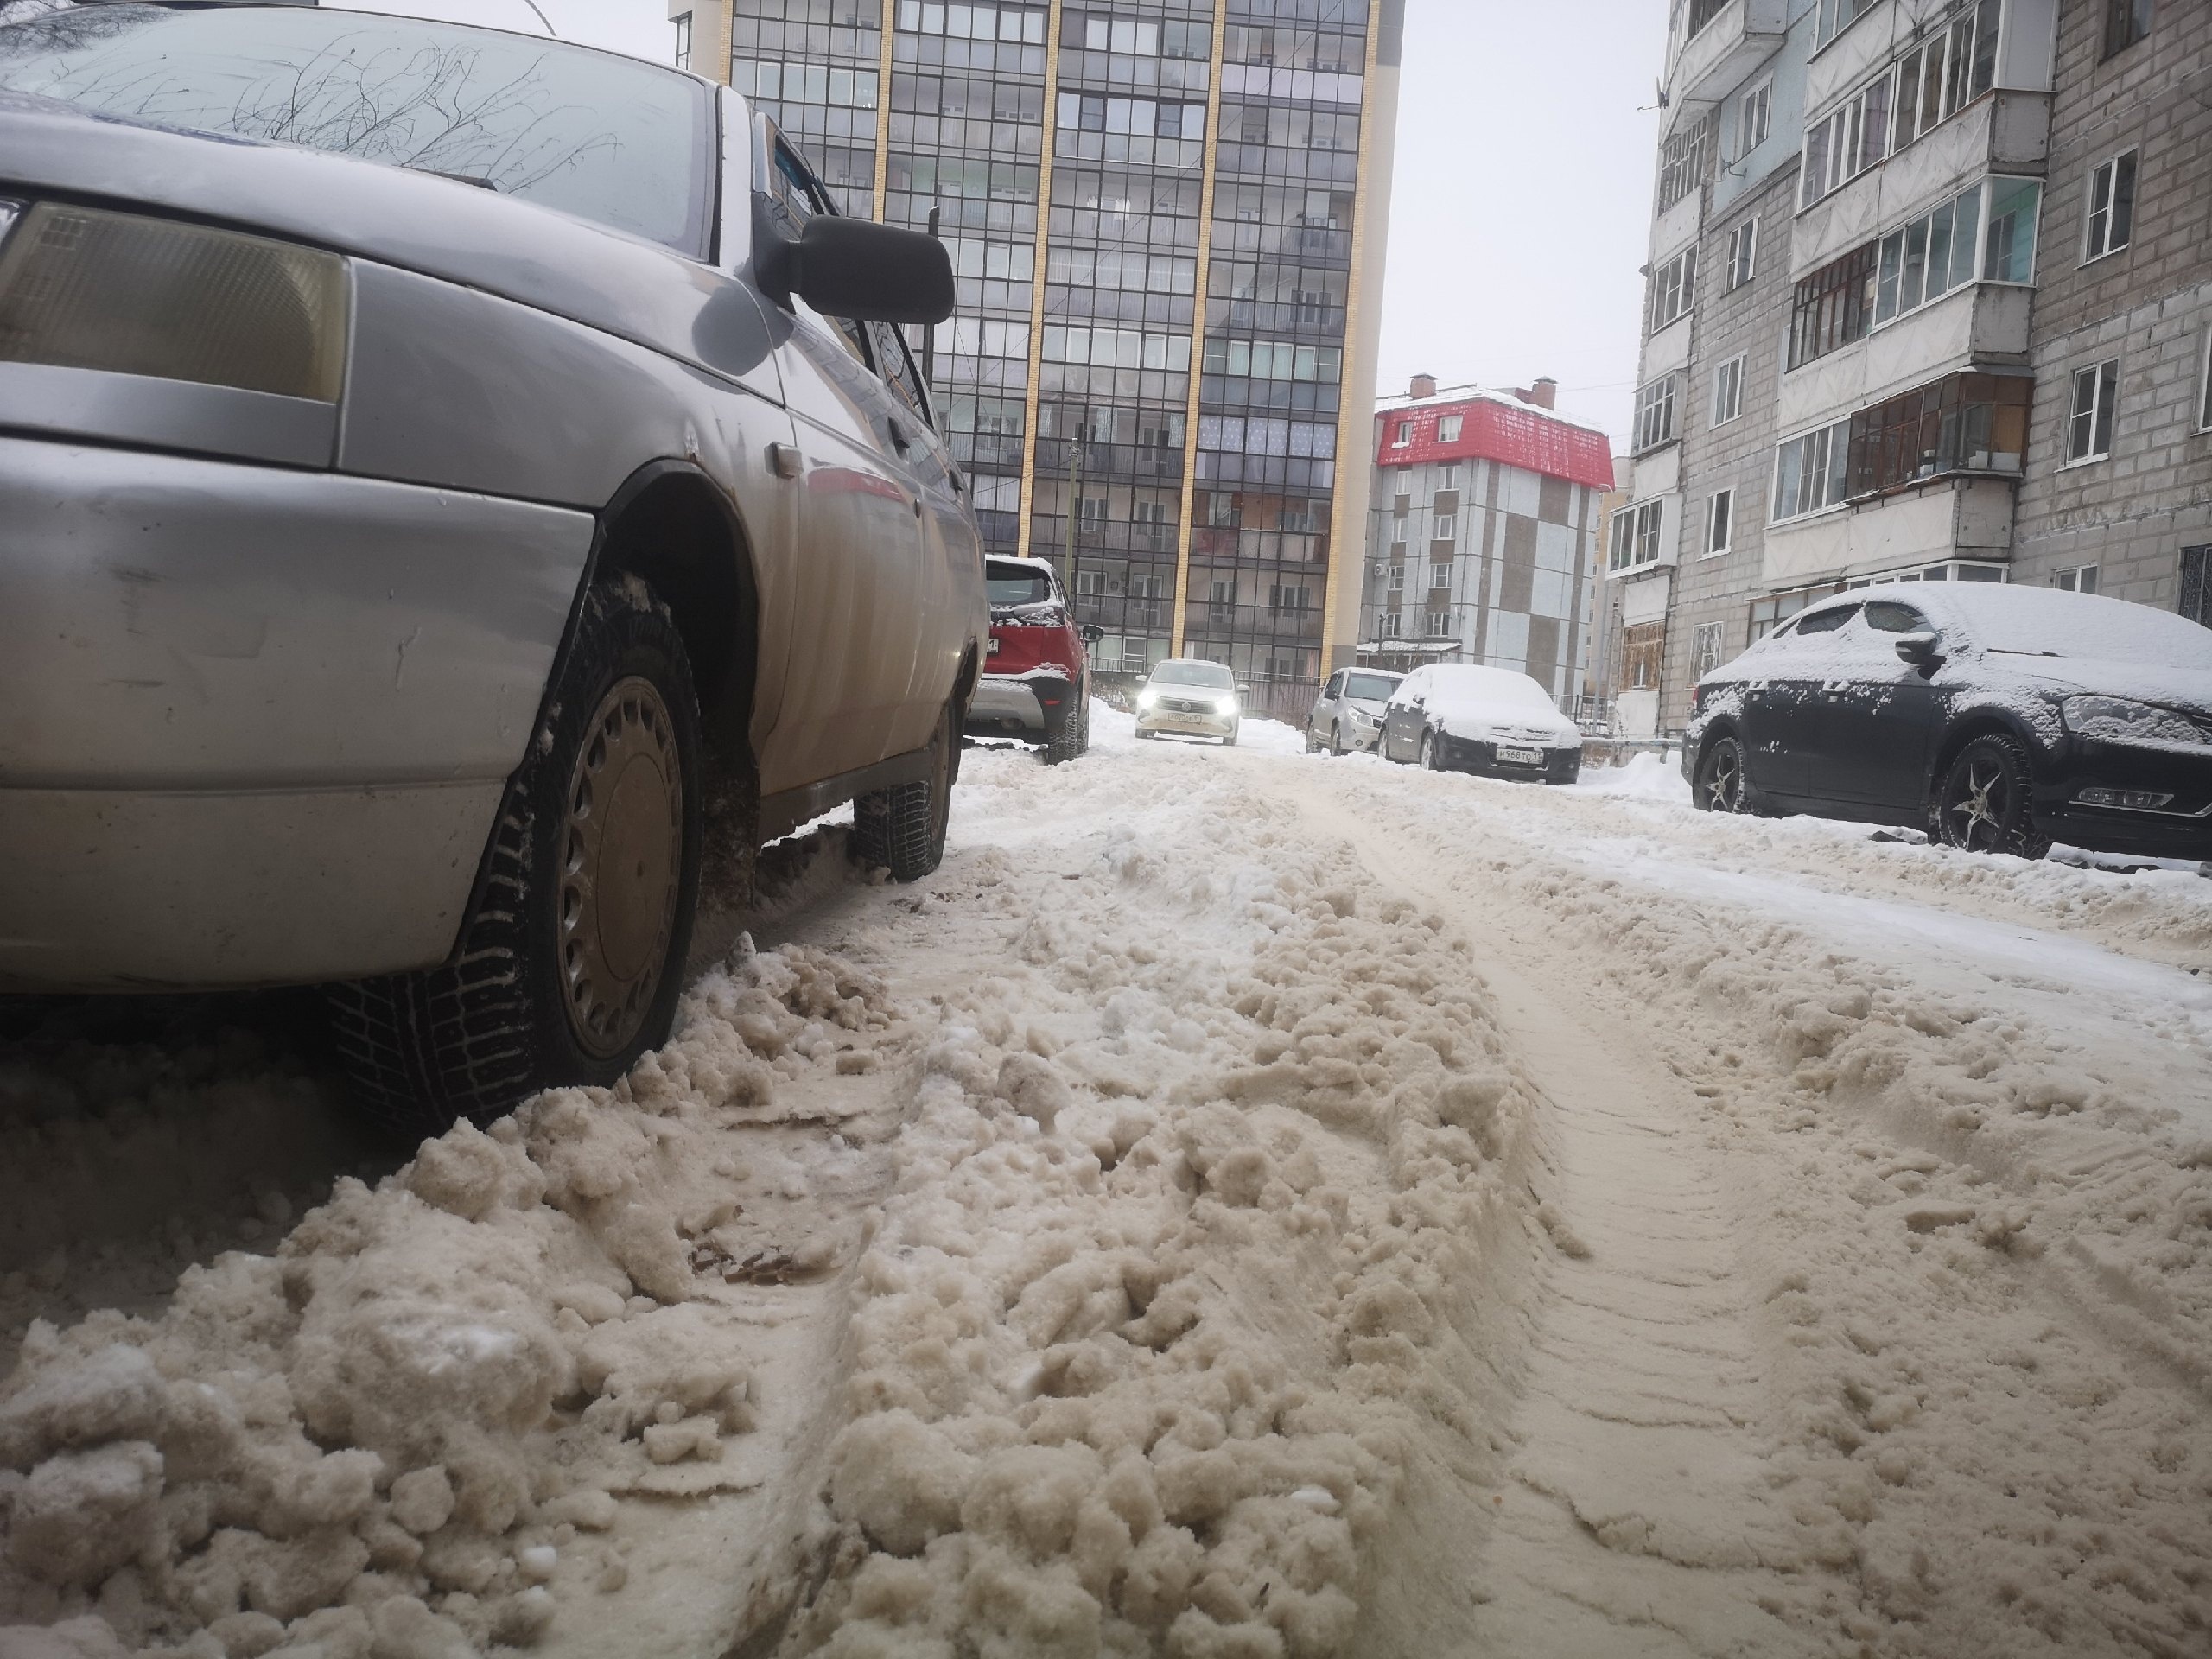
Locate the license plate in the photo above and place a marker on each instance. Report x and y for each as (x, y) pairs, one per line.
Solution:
(993, 651)
(1521, 757)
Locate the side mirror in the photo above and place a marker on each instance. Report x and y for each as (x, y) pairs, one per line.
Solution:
(1243, 689)
(1092, 633)
(1419, 700)
(874, 273)
(1922, 650)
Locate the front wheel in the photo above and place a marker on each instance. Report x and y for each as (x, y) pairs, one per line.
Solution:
(902, 828)
(1984, 804)
(1431, 760)
(1722, 785)
(1337, 739)
(1230, 742)
(571, 955)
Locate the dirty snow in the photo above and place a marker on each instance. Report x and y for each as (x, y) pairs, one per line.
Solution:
(1245, 1204)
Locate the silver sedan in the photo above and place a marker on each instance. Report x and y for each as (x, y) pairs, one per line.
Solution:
(453, 486)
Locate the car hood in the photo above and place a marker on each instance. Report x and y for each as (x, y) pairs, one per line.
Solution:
(520, 251)
(2177, 688)
(1371, 707)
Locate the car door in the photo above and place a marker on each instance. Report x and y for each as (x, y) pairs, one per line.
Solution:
(1782, 714)
(849, 688)
(1326, 706)
(1878, 713)
(1401, 725)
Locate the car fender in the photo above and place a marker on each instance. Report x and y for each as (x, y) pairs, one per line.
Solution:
(1980, 711)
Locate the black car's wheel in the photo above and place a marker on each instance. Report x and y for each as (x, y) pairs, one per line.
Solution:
(1431, 760)
(902, 828)
(1722, 784)
(571, 958)
(1985, 803)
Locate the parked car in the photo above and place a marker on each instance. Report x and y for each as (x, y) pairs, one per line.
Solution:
(1998, 717)
(425, 538)
(1347, 717)
(1036, 680)
(1190, 698)
(1465, 717)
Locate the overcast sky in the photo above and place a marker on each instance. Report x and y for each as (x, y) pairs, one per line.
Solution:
(1522, 203)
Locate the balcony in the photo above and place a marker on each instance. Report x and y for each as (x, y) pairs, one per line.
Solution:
(1964, 515)
(1713, 48)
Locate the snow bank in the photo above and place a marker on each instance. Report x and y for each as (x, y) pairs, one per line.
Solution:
(1645, 778)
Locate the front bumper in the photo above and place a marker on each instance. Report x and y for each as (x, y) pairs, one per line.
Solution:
(258, 721)
(2180, 828)
(1166, 716)
(1479, 755)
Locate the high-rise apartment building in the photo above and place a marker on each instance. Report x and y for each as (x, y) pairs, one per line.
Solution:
(1483, 543)
(1929, 299)
(1167, 221)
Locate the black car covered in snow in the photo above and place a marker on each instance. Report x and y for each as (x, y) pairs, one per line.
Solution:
(1998, 718)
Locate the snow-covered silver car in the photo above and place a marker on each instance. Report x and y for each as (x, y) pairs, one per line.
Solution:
(1347, 717)
(450, 483)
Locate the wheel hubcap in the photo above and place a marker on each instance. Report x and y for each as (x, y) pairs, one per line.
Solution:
(622, 863)
(1724, 781)
(1978, 809)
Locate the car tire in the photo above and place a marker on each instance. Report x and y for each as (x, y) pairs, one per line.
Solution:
(571, 956)
(1429, 762)
(1723, 781)
(1230, 742)
(902, 828)
(1985, 803)
(1068, 736)
(1337, 739)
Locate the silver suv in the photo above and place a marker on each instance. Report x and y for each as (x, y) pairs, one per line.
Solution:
(1347, 716)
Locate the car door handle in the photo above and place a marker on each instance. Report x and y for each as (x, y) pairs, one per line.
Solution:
(785, 459)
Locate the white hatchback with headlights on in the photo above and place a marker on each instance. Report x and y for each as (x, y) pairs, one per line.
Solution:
(1190, 697)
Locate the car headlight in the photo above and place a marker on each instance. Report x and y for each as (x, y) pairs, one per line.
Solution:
(2117, 720)
(1147, 698)
(1225, 705)
(81, 288)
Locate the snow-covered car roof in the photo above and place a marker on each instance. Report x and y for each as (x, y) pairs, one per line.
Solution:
(1045, 565)
(1469, 681)
(2049, 621)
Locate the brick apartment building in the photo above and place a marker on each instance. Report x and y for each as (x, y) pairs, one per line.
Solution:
(1167, 222)
(1929, 299)
(1484, 541)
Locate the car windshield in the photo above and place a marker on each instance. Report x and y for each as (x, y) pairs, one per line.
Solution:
(607, 138)
(1016, 584)
(1378, 687)
(1209, 674)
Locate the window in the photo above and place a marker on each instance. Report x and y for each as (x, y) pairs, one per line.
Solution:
(1832, 306)
(1719, 515)
(1673, 289)
(1704, 649)
(1841, 146)
(1809, 471)
(1887, 616)
(1401, 435)
(1961, 423)
(1702, 12)
(2089, 422)
(2197, 584)
(1655, 413)
(1993, 225)
(2080, 579)
(1397, 581)
(1640, 645)
(1728, 391)
(683, 42)
(2125, 22)
(2111, 208)
(1742, 254)
(1437, 625)
(1754, 116)
(1827, 621)
(1448, 430)
(1836, 16)
(1439, 573)
(1683, 161)
(1265, 360)
(1448, 477)
(1635, 536)
(1447, 527)
(1770, 614)
(1951, 67)
(2205, 409)
(1282, 598)
(1398, 532)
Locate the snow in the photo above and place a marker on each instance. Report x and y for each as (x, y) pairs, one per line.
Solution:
(1471, 701)
(1241, 1204)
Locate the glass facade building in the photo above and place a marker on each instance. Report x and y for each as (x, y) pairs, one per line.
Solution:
(1167, 224)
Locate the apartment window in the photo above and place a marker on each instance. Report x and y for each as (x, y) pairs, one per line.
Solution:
(684, 41)
(1991, 228)
(1282, 598)
(1439, 572)
(1447, 527)
(2204, 407)
(2080, 579)
(1449, 428)
(1703, 12)
(2089, 422)
(1719, 517)
(1398, 531)
(1948, 71)
(1393, 625)
(1640, 645)
(2125, 22)
(1836, 16)
(2111, 208)
(1437, 625)
(1674, 289)
(1811, 472)
(1684, 159)
(1961, 423)
(1832, 306)
(1754, 118)
(1397, 581)
(1728, 391)
(1841, 146)
(1655, 413)
(1448, 477)
(1704, 649)
(2196, 585)
(1742, 254)
(1635, 536)
(1401, 435)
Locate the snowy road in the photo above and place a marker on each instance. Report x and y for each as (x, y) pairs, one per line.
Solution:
(1245, 1204)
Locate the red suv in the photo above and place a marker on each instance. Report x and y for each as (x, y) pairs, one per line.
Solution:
(1036, 682)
